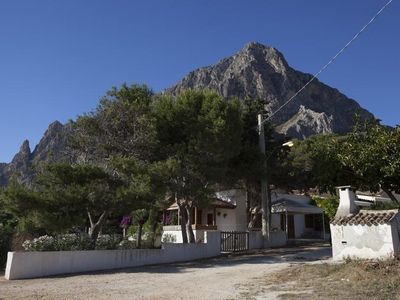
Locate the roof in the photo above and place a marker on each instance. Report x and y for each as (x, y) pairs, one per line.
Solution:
(291, 206)
(367, 217)
(218, 203)
(379, 196)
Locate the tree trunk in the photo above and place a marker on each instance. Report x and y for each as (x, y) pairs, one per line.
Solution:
(184, 218)
(153, 235)
(253, 219)
(248, 205)
(390, 194)
(189, 225)
(96, 227)
(139, 236)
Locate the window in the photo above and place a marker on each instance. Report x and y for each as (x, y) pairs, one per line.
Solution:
(309, 221)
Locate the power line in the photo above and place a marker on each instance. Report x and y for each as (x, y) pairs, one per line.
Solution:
(331, 61)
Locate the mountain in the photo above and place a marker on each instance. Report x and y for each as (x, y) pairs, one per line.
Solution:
(51, 148)
(260, 71)
(256, 71)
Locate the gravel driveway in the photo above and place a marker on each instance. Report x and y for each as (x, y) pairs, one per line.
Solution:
(219, 278)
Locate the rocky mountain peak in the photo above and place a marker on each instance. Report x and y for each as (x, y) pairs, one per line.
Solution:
(54, 127)
(52, 146)
(24, 153)
(262, 54)
(259, 71)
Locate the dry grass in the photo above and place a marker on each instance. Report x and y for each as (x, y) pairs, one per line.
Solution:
(350, 280)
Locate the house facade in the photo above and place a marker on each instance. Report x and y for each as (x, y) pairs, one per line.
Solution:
(292, 217)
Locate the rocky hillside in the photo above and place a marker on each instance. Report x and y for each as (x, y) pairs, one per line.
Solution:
(51, 148)
(259, 71)
(255, 71)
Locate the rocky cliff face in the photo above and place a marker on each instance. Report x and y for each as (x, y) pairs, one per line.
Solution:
(255, 71)
(306, 122)
(51, 148)
(259, 71)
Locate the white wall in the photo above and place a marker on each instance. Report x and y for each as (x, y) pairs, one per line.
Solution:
(276, 221)
(299, 225)
(39, 264)
(235, 219)
(175, 230)
(361, 241)
(278, 239)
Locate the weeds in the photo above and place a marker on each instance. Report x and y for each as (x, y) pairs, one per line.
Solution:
(353, 279)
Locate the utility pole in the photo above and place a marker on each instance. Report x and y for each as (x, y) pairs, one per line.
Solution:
(265, 199)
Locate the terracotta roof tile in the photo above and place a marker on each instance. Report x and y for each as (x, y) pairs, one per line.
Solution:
(367, 217)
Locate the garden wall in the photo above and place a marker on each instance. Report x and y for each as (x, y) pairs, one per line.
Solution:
(40, 264)
(278, 239)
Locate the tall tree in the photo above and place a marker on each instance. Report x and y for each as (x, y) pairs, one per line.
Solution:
(367, 158)
(120, 135)
(250, 165)
(144, 185)
(199, 133)
(122, 125)
(314, 163)
(371, 153)
(68, 196)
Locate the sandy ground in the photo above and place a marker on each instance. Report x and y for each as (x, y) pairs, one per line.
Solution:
(219, 278)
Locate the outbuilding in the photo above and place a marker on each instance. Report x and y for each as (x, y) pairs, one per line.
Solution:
(365, 234)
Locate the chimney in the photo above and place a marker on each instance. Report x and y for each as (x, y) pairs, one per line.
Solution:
(347, 203)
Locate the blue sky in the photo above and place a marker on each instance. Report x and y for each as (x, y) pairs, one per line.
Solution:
(57, 58)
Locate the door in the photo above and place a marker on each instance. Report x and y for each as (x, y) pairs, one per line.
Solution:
(210, 219)
(291, 232)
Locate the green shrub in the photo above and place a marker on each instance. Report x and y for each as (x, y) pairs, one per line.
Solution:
(127, 244)
(5, 244)
(42, 243)
(71, 242)
(108, 242)
(168, 238)
(378, 205)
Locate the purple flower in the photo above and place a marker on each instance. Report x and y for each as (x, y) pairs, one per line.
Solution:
(126, 221)
(168, 219)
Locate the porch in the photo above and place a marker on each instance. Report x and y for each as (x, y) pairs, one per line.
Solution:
(297, 220)
(203, 219)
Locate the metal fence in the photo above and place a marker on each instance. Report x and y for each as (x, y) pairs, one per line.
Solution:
(234, 241)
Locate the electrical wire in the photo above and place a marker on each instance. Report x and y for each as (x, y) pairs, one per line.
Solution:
(330, 62)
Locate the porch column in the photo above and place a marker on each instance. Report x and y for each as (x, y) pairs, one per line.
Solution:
(163, 217)
(195, 215)
(214, 216)
(179, 216)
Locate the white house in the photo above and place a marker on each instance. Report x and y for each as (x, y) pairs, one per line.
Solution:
(366, 199)
(227, 212)
(365, 234)
(292, 216)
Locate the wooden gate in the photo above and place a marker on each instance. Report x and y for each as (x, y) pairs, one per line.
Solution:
(234, 241)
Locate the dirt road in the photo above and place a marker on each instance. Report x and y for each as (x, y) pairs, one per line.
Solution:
(219, 278)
